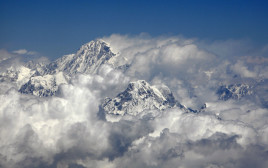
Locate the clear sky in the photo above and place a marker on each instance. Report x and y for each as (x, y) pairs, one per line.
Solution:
(54, 28)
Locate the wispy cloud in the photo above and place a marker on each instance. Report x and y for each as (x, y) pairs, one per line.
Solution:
(24, 52)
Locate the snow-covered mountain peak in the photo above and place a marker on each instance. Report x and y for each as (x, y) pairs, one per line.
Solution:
(140, 96)
(87, 59)
(143, 89)
(138, 85)
(94, 47)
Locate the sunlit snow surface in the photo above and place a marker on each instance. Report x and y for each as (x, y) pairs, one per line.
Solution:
(110, 105)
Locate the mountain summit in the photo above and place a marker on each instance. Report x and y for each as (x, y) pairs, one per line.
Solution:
(87, 59)
(140, 96)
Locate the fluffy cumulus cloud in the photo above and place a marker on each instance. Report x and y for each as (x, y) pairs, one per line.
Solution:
(17, 58)
(8, 59)
(67, 130)
(4, 54)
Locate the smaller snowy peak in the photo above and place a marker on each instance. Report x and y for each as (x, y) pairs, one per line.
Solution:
(234, 91)
(19, 75)
(44, 86)
(140, 96)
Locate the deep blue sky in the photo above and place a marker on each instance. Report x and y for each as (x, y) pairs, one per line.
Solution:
(54, 28)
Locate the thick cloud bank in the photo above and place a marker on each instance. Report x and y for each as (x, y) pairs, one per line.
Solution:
(66, 130)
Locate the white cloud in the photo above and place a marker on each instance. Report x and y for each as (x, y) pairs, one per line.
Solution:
(4, 54)
(66, 130)
(8, 59)
(24, 52)
(240, 69)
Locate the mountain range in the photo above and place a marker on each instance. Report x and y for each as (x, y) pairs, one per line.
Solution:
(45, 79)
